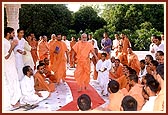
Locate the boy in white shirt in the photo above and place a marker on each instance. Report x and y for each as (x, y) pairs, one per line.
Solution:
(102, 67)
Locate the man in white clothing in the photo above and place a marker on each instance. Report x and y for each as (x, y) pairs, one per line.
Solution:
(116, 43)
(30, 96)
(162, 36)
(151, 89)
(143, 69)
(19, 52)
(102, 67)
(11, 87)
(28, 59)
(93, 40)
(94, 43)
(64, 39)
(151, 47)
(158, 45)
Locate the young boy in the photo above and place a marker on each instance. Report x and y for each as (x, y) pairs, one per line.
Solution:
(102, 67)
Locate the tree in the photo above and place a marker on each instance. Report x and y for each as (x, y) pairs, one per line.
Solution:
(137, 21)
(131, 16)
(45, 19)
(87, 18)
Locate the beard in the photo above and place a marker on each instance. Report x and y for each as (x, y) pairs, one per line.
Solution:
(11, 37)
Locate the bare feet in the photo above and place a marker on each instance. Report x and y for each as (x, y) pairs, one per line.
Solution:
(102, 92)
(86, 88)
(80, 89)
(16, 105)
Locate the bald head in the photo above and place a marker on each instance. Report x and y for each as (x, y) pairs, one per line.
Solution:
(53, 36)
(84, 37)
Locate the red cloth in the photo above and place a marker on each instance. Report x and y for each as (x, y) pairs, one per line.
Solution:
(72, 106)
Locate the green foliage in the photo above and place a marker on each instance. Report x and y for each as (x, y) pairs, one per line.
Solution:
(143, 38)
(87, 18)
(131, 16)
(146, 25)
(137, 21)
(45, 19)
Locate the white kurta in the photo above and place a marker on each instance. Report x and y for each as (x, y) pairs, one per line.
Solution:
(67, 44)
(142, 73)
(19, 57)
(28, 92)
(11, 87)
(152, 45)
(149, 105)
(103, 77)
(159, 48)
(94, 46)
(27, 59)
(116, 44)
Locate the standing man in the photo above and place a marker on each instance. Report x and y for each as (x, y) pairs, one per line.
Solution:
(27, 59)
(82, 73)
(72, 43)
(12, 92)
(96, 49)
(51, 48)
(106, 44)
(116, 43)
(19, 52)
(43, 49)
(33, 43)
(158, 45)
(60, 60)
(125, 43)
(152, 45)
(64, 39)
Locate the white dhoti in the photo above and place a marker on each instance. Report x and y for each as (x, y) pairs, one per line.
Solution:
(34, 98)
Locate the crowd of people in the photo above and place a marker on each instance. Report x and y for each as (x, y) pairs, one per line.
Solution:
(33, 69)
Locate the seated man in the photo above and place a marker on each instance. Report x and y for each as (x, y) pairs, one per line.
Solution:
(133, 61)
(151, 89)
(115, 96)
(118, 72)
(48, 72)
(84, 102)
(143, 70)
(136, 90)
(129, 104)
(41, 83)
(160, 100)
(30, 96)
